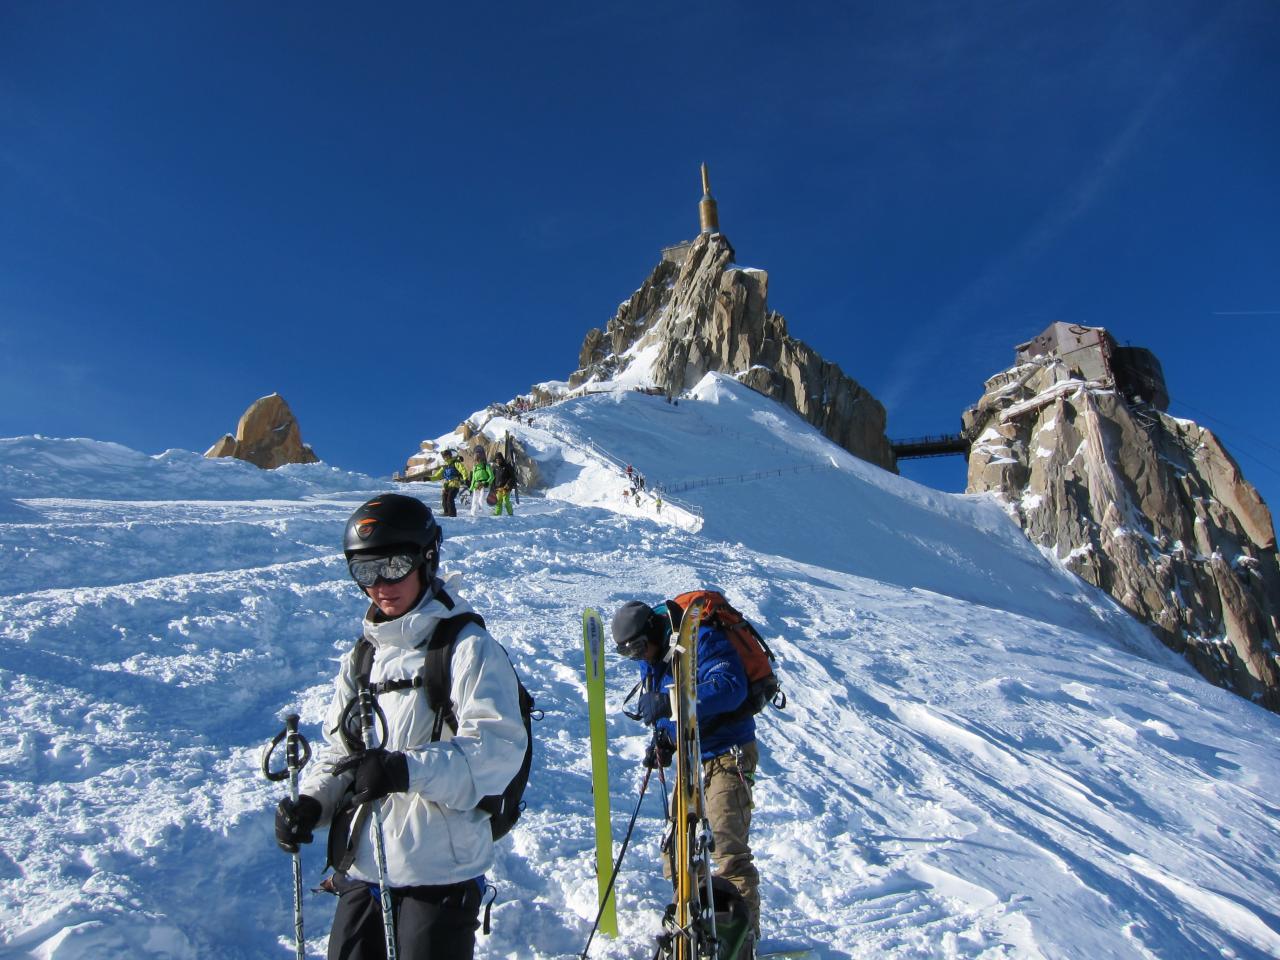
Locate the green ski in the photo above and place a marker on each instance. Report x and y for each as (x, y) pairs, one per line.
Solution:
(593, 647)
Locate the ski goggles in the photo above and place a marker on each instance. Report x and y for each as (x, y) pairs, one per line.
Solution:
(367, 571)
(633, 648)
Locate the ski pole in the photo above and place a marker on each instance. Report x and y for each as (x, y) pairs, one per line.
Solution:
(296, 754)
(618, 864)
(367, 707)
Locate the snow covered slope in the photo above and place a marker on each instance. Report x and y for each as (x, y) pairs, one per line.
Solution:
(981, 757)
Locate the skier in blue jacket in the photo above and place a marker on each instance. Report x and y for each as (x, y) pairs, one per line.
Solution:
(729, 752)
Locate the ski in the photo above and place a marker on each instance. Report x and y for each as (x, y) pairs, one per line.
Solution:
(593, 649)
(688, 934)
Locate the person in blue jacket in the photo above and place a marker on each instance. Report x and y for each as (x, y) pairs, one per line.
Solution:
(728, 733)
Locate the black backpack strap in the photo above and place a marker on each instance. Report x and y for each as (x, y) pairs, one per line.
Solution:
(345, 831)
(437, 672)
(362, 662)
(763, 644)
(633, 714)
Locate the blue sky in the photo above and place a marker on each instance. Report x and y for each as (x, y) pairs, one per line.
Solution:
(396, 214)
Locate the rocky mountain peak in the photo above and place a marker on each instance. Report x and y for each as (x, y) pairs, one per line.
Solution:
(699, 312)
(267, 436)
(1075, 441)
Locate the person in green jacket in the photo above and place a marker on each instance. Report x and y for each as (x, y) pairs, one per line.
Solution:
(481, 478)
(453, 476)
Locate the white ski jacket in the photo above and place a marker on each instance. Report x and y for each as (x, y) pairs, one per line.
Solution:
(433, 832)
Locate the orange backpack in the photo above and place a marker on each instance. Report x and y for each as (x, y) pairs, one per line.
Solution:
(757, 659)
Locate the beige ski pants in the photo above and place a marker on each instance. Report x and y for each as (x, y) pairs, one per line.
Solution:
(726, 782)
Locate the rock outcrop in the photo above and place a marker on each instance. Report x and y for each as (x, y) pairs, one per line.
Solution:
(1148, 507)
(267, 436)
(700, 313)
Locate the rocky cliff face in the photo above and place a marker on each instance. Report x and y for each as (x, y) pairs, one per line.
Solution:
(267, 435)
(1148, 507)
(706, 315)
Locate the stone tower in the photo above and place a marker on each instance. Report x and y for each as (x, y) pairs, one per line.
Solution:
(707, 215)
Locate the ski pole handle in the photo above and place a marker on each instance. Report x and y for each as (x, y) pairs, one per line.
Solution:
(297, 752)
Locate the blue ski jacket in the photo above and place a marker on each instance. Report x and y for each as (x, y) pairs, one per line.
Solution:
(722, 687)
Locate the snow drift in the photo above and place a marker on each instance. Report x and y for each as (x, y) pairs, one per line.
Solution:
(982, 757)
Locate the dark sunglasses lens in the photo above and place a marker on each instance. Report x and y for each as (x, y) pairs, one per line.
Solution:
(369, 571)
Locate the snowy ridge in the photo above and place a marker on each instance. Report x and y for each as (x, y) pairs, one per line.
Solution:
(47, 467)
(981, 757)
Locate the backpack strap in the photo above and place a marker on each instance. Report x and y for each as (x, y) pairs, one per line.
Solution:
(362, 662)
(446, 631)
(437, 672)
(633, 714)
(763, 644)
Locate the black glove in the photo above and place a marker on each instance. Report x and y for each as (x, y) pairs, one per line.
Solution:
(653, 706)
(660, 751)
(378, 773)
(295, 821)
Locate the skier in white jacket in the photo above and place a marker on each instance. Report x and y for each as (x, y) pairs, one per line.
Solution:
(438, 844)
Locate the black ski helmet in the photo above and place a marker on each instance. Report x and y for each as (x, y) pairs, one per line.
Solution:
(393, 520)
(635, 625)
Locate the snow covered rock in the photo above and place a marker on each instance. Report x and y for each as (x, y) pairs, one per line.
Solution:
(1148, 507)
(267, 436)
(707, 315)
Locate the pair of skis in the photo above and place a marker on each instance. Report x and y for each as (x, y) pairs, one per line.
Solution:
(689, 925)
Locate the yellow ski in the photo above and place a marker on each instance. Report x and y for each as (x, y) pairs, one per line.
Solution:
(593, 647)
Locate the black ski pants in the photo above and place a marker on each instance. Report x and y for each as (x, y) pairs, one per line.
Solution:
(448, 501)
(432, 923)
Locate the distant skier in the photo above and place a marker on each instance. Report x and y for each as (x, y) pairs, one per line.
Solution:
(481, 478)
(504, 481)
(729, 752)
(426, 778)
(452, 477)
